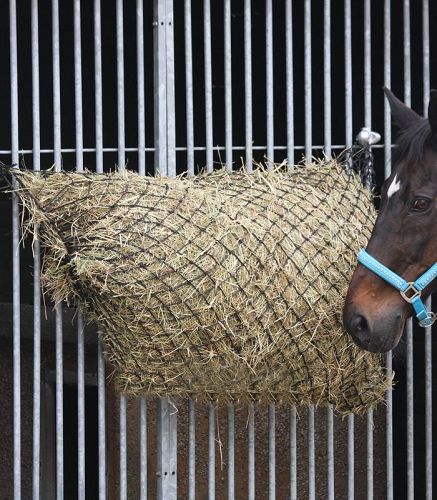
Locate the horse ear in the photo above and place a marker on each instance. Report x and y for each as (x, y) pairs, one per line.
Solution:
(432, 111)
(403, 116)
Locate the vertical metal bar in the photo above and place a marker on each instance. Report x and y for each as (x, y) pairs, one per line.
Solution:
(428, 330)
(272, 452)
(370, 454)
(293, 455)
(80, 325)
(348, 71)
(211, 451)
(123, 448)
(428, 407)
(269, 84)
(289, 80)
(311, 455)
(231, 452)
(140, 89)
(189, 87)
(248, 82)
(350, 456)
(99, 169)
(143, 449)
(36, 449)
(410, 412)
(327, 83)
(80, 408)
(308, 86)
(101, 421)
(251, 452)
(330, 438)
(228, 83)
(98, 85)
(409, 327)
(160, 86)
(58, 307)
(166, 450)
(120, 84)
(208, 82)
(348, 139)
(15, 256)
(191, 450)
(170, 85)
(368, 123)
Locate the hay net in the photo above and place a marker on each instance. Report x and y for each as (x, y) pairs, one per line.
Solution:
(223, 286)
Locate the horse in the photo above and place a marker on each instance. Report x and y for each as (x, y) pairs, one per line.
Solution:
(403, 243)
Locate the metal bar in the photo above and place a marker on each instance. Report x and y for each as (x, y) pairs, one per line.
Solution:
(370, 454)
(80, 325)
(367, 65)
(36, 449)
(293, 455)
(191, 450)
(289, 80)
(407, 53)
(307, 85)
(428, 407)
(211, 451)
(410, 411)
(189, 87)
(368, 123)
(166, 450)
(251, 452)
(272, 452)
(231, 452)
(248, 82)
(170, 86)
(99, 169)
(101, 421)
(327, 81)
(208, 82)
(228, 83)
(123, 448)
(350, 456)
(387, 171)
(269, 84)
(80, 408)
(98, 86)
(58, 307)
(428, 330)
(143, 449)
(140, 89)
(348, 72)
(120, 85)
(15, 256)
(330, 438)
(160, 86)
(311, 455)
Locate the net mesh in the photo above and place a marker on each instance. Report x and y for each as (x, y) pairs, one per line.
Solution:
(219, 287)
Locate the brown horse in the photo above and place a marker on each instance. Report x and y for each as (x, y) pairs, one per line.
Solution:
(404, 238)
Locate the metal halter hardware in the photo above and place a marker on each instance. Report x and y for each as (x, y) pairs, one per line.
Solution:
(411, 291)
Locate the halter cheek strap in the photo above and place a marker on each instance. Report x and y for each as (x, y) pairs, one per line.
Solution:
(410, 291)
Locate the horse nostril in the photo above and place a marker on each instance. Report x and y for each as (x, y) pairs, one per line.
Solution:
(360, 327)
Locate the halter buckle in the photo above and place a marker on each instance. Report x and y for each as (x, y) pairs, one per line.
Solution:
(428, 321)
(411, 288)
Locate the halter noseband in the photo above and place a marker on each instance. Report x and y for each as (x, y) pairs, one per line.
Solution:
(410, 291)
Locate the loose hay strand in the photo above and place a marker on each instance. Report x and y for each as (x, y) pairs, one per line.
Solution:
(225, 286)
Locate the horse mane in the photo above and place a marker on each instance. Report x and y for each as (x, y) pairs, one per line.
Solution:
(413, 141)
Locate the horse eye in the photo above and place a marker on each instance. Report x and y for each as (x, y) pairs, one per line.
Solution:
(420, 204)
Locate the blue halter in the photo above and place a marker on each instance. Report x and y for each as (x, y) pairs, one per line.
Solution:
(410, 291)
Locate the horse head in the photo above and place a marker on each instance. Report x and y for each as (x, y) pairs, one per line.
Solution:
(404, 238)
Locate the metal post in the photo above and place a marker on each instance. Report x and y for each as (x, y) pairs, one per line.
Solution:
(293, 455)
(228, 83)
(189, 87)
(191, 450)
(248, 82)
(327, 81)
(289, 81)
(272, 452)
(251, 452)
(166, 470)
(211, 451)
(269, 85)
(208, 83)
(308, 86)
(231, 454)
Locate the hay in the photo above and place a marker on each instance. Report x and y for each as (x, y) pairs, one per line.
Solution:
(224, 286)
